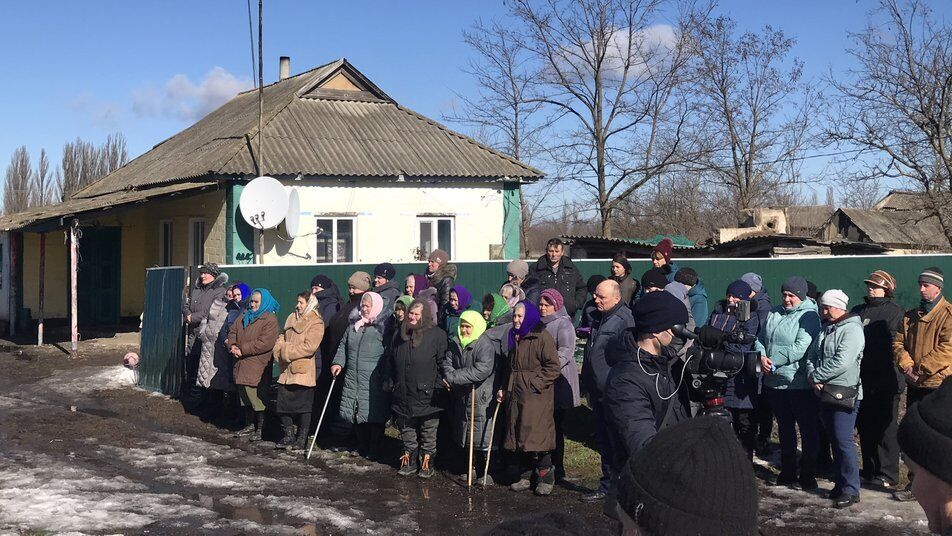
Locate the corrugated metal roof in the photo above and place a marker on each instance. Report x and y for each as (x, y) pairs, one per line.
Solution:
(77, 206)
(626, 241)
(315, 132)
(907, 227)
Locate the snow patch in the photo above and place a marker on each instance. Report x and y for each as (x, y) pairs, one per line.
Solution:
(336, 514)
(83, 381)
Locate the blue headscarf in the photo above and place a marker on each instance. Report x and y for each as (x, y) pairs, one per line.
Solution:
(530, 321)
(268, 305)
(245, 291)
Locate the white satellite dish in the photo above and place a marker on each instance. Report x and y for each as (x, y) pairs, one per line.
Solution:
(293, 218)
(263, 203)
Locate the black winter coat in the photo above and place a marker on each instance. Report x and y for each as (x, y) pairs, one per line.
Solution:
(328, 303)
(334, 330)
(443, 280)
(633, 405)
(567, 280)
(533, 289)
(741, 389)
(762, 300)
(605, 328)
(414, 370)
(882, 319)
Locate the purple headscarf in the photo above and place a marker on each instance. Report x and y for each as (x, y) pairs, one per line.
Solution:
(530, 321)
(420, 282)
(465, 298)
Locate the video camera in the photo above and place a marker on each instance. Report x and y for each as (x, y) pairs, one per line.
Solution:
(715, 357)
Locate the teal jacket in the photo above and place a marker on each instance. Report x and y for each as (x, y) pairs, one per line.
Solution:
(361, 353)
(837, 353)
(786, 340)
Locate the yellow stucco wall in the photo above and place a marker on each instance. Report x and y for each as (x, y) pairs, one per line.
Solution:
(140, 249)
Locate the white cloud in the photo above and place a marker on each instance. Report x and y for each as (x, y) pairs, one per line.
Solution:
(184, 99)
(104, 114)
(650, 50)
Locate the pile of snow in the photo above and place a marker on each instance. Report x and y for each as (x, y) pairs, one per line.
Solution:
(84, 381)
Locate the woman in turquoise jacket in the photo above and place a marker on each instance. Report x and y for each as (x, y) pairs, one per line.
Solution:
(835, 360)
(784, 344)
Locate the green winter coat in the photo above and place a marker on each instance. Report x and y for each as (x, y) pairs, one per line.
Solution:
(361, 354)
(786, 340)
(836, 354)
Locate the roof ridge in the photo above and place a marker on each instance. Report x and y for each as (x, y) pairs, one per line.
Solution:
(292, 77)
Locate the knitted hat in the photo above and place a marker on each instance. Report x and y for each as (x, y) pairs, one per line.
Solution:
(881, 278)
(933, 276)
(687, 277)
(739, 289)
(795, 285)
(665, 247)
(360, 281)
(692, 478)
(658, 311)
(623, 261)
(321, 280)
(385, 270)
(554, 297)
(439, 256)
(754, 280)
(593, 282)
(812, 291)
(654, 278)
(518, 268)
(925, 433)
(835, 298)
(209, 268)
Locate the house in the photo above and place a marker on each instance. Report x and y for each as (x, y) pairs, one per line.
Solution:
(376, 180)
(898, 230)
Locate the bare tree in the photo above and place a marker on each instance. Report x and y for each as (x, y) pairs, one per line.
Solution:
(16, 184)
(43, 189)
(83, 163)
(614, 81)
(859, 193)
(759, 117)
(895, 107)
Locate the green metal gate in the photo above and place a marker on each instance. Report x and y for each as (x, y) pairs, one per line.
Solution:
(162, 347)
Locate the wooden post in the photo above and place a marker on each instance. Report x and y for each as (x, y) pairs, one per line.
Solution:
(261, 246)
(39, 327)
(74, 272)
(13, 283)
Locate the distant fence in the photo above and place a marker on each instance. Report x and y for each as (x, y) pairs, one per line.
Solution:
(844, 272)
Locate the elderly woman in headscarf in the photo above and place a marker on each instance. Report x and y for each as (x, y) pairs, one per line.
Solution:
(460, 299)
(418, 287)
(468, 369)
(559, 324)
(513, 294)
(364, 403)
(251, 340)
(495, 310)
(295, 353)
(528, 377)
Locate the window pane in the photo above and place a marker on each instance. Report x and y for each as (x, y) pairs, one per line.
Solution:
(325, 235)
(345, 240)
(198, 243)
(426, 238)
(444, 236)
(165, 232)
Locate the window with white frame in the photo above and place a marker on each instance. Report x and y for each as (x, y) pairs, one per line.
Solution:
(335, 240)
(436, 233)
(165, 243)
(196, 242)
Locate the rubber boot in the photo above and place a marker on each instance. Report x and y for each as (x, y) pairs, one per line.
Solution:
(288, 426)
(247, 422)
(304, 425)
(259, 426)
(408, 464)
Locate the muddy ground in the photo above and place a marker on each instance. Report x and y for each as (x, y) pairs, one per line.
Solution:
(84, 451)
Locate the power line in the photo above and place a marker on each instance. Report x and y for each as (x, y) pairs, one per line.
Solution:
(251, 36)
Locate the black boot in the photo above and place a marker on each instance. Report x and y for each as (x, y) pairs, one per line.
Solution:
(304, 426)
(259, 426)
(375, 438)
(408, 464)
(247, 422)
(288, 426)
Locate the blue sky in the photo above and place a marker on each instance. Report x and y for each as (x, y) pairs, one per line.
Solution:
(151, 68)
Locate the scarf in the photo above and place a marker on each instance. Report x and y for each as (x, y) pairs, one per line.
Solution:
(311, 306)
(464, 298)
(473, 319)
(268, 305)
(518, 294)
(420, 283)
(376, 305)
(500, 308)
(530, 321)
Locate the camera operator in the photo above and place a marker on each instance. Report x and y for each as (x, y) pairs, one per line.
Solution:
(642, 394)
(743, 388)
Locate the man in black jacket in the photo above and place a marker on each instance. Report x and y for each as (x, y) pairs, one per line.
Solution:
(555, 270)
(643, 393)
(612, 318)
(882, 380)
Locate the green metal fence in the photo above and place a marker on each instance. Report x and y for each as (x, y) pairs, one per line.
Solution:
(163, 328)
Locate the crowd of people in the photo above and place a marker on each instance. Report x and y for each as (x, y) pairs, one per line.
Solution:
(495, 376)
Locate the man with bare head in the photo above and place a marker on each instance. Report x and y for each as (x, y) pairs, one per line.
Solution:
(611, 318)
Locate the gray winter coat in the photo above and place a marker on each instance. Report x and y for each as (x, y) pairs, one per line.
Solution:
(200, 301)
(464, 369)
(361, 354)
(389, 292)
(215, 364)
(559, 325)
(606, 327)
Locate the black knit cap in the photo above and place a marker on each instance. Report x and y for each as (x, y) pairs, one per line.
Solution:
(687, 276)
(658, 311)
(654, 277)
(593, 282)
(385, 270)
(692, 478)
(925, 433)
(321, 280)
(210, 268)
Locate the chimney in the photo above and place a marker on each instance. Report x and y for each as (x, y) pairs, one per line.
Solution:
(284, 68)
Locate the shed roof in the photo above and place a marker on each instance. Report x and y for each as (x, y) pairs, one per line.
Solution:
(312, 130)
(901, 200)
(913, 228)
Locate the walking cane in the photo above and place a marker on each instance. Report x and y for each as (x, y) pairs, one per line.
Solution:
(319, 421)
(489, 452)
(472, 435)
